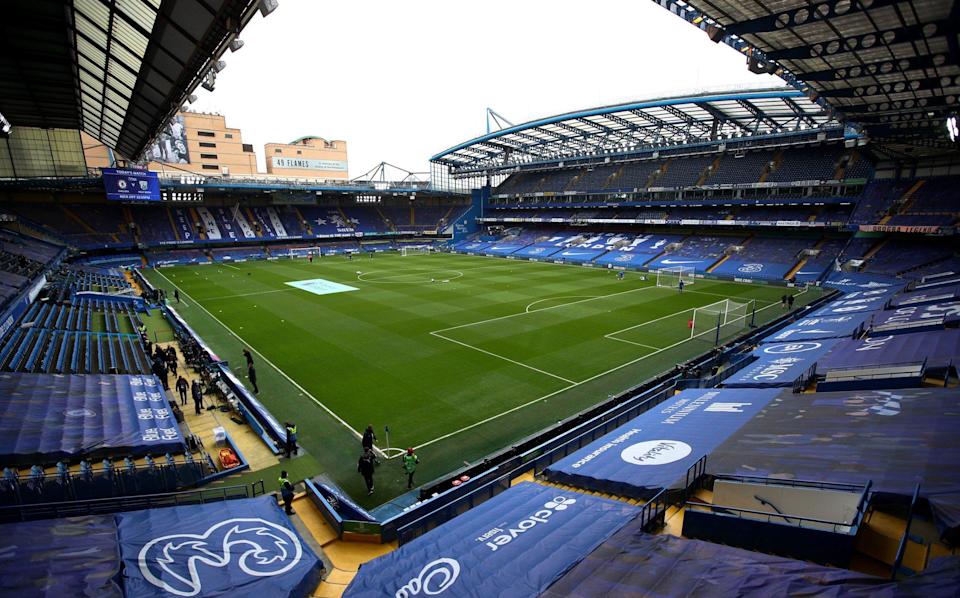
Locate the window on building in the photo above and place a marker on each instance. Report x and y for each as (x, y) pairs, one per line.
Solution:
(248, 148)
(208, 156)
(207, 144)
(277, 150)
(299, 152)
(211, 167)
(228, 135)
(206, 133)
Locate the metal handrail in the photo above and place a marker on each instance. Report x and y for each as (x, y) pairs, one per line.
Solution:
(123, 503)
(739, 512)
(902, 547)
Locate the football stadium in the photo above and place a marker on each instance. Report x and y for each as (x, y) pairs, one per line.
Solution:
(692, 343)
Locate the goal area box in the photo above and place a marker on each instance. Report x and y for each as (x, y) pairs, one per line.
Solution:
(671, 277)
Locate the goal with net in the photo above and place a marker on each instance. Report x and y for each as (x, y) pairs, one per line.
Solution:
(671, 277)
(416, 250)
(722, 320)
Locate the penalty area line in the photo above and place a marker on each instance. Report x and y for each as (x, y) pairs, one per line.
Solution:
(271, 364)
(556, 392)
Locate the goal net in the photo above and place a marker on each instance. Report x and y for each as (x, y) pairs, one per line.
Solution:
(720, 321)
(418, 250)
(671, 277)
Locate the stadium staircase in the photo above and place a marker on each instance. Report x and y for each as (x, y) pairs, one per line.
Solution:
(726, 256)
(879, 540)
(658, 173)
(803, 261)
(613, 178)
(86, 227)
(875, 249)
(304, 221)
(906, 200)
(709, 170)
(777, 160)
(131, 225)
(201, 230)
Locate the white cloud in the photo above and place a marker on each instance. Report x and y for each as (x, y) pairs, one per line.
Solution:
(401, 81)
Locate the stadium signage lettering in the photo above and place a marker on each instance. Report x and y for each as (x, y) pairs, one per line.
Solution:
(541, 516)
(688, 409)
(600, 450)
(434, 578)
(872, 344)
(302, 163)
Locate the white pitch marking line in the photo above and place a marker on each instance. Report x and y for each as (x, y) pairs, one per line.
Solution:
(529, 367)
(225, 266)
(271, 364)
(556, 392)
(623, 340)
(528, 310)
(544, 309)
(248, 294)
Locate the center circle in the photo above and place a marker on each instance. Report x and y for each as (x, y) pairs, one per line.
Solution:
(416, 277)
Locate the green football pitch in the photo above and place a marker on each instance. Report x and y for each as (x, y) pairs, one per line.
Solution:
(458, 355)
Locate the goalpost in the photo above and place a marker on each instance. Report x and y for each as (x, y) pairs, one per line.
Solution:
(418, 250)
(719, 321)
(671, 277)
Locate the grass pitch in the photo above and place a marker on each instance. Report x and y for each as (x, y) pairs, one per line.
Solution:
(458, 355)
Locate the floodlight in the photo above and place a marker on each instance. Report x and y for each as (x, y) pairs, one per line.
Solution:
(210, 80)
(218, 65)
(5, 126)
(268, 6)
(191, 99)
(952, 128)
(236, 44)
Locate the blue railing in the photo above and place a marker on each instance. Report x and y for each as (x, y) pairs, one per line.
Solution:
(127, 503)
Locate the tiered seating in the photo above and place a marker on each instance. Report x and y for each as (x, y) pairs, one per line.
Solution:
(745, 168)
(107, 479)
(768, 258)
(898, 257)
(807, 164)
(683, 172)
(154, 224)
(876, 201)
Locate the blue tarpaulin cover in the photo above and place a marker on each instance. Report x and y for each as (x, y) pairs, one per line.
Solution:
(780, 364)
(854, 303)
(860, 281)
(625, 259)
(76, 556)
(511, 546)
(539, 250)
(930, 315)
(939, 349)
(655, 449)
(813, 328)
(753, 269)
(926, 296)
(237, 548)
(699, 264)
(632, 563)
(339, 500)
(577, 254)
(893, 438)
(45, 417)
(504, 248)
(472, 246)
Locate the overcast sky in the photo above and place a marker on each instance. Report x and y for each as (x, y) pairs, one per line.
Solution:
(402, 81)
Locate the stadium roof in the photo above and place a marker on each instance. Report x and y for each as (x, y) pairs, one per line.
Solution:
(117, 69)
(892, 66)
(626, 127)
